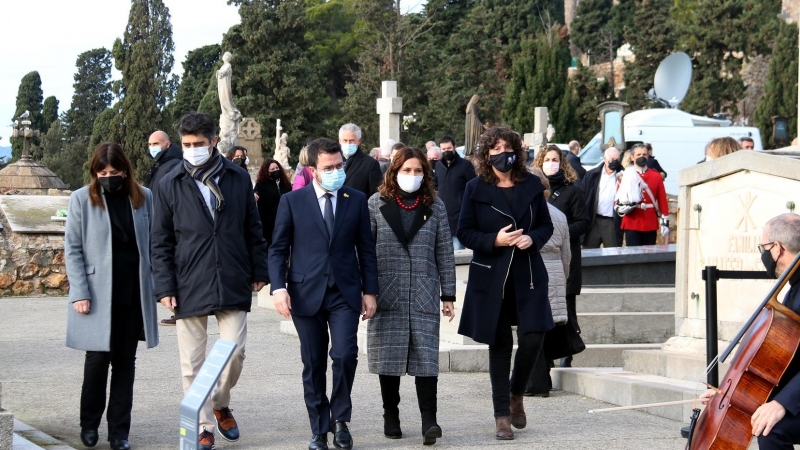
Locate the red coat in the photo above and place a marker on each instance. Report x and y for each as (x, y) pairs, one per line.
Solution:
(647, 219)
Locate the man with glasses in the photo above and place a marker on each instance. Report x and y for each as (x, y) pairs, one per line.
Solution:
(777, 422)
(324, 234)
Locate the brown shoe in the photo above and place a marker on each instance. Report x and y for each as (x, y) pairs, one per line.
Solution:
(206, 441)
(518, 418)
(504, 431)
(226, 424)
(168, 322)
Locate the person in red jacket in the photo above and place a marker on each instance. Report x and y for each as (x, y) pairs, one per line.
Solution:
(641, 224)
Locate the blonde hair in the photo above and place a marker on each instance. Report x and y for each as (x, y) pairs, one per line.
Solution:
(721, 147)
(304, 156)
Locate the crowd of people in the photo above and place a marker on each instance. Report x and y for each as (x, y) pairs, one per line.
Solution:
(352, 237)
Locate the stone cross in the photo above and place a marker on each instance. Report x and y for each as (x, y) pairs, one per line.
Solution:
(250, 138)
(389, 108)
(278, 129)
(26, 133)
(538, 138)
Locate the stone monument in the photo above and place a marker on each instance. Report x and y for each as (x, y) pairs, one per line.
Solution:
(473, 128)
(538, 138)
(722, 208)
(230, 118)
(250, 138)
(389, 107)
(27, 176)
(281, 154)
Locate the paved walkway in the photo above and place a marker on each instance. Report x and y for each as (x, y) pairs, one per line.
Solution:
(41, 385)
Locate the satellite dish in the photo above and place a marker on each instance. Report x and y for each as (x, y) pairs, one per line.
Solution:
(673, 77)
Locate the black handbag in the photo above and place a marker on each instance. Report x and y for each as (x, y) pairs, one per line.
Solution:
(562, 341)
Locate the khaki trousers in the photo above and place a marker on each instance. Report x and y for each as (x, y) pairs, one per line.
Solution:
(192, 342)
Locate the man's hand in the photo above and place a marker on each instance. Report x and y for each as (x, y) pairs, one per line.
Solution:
(170, 303)
(448, 310)
(258, 285)
(523, 242)
(506, 239)
(282, 303)
(766, 416)
(707, 396)
(81, 306)
(368, 306)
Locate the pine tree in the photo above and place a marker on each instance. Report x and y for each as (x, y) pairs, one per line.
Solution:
(92, 93)
(588, 93)
(591, 18)
(29, 98)
(652, 40)
(49, 112)
(198, 70)
(780, 88)
(621, 24)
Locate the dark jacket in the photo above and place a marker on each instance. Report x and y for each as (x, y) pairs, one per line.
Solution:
(484, 212)
(363, 173)
(301, 238)
(591, 186)
(269, 196)
(569, 199)
(788, 391)
(164, 162)
(652, 163)
(208, 264)
(575, 162)
(450, 183)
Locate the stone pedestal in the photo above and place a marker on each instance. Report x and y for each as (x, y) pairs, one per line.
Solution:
(722, 208)
(389, 107)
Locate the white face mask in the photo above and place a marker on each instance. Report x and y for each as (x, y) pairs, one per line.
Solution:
(196, 155)
(551, 167)
(409, 183)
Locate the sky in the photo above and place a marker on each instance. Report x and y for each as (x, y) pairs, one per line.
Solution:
(48, 35)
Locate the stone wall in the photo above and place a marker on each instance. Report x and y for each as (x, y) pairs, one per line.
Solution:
(31, 264)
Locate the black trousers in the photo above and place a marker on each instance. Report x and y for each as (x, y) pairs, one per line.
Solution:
(637, 238)
(528, 348)
(426, 397)
(342, 320)
(126, 326)
(783, 436)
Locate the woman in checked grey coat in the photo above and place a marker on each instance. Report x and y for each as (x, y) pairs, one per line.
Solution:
(415, 264)
(111, 302)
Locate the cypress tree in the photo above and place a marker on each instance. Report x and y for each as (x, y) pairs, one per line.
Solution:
(588, 92)
(92, 93)
(198, 70)
(49, 112)
(780, 87)
(29, 98)
(591, 18)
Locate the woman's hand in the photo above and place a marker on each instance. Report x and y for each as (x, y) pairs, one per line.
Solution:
(81, 306)
(448, 310)
(523, 242)
(506, 239)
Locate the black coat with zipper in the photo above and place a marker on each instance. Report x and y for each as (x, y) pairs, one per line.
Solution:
(208, 264)
(485, 211)
(570, 200)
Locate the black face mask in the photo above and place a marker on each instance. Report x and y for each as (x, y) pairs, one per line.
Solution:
(503, 161)
(615, 165)
(275, 175)
(769, 263)
(641, 161)
(111, 184)
(239, 161)
(448, 155)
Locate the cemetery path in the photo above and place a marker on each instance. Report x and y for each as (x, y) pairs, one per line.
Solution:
(41, 381)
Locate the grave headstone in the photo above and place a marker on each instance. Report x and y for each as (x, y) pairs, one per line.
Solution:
(250, 138)
(389, 108)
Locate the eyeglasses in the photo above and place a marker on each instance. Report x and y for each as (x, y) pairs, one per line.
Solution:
(763, 247)
(329, 170)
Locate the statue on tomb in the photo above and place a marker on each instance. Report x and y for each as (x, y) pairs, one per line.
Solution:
(473, 128)
(230, 118)
(282, 151)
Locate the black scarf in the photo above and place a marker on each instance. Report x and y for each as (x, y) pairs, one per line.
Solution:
(205, 174)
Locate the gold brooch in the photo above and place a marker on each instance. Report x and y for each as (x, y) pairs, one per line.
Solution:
(346, 195)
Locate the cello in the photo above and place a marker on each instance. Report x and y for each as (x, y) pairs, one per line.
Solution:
(768, 343)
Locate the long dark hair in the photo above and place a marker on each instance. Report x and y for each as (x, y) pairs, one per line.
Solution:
(111, 154)
(263, 173)
(389, 188)
(487, 141)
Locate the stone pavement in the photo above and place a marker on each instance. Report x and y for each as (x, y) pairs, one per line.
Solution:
(41, 386)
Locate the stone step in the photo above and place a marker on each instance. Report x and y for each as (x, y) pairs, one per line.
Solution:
(679, 366)
(630, 299)
(626, 327)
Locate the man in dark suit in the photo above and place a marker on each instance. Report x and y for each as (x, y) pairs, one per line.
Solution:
(777, 422)
(574, 161)
(363, 173)
(323, 230)
(600, 185)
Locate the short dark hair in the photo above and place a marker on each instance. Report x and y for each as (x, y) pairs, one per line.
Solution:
(322, 145)
(232, 151)
(447, 138)
(197, 123)
(747, 139)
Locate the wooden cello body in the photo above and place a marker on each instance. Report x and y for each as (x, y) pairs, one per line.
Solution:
(771, 339)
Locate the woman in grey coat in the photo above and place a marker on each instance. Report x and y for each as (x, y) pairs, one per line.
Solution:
(415, 265)
(111, 303)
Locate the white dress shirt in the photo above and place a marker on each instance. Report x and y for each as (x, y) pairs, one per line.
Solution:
(321, 198)
(206, 192)
(606, 193)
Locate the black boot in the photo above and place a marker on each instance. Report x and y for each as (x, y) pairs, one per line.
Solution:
(426, 396)
(390, 392)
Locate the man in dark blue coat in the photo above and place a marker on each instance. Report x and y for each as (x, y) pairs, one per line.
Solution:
(452, 174)
(323, 231)
(208, 256)
(777, 422)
